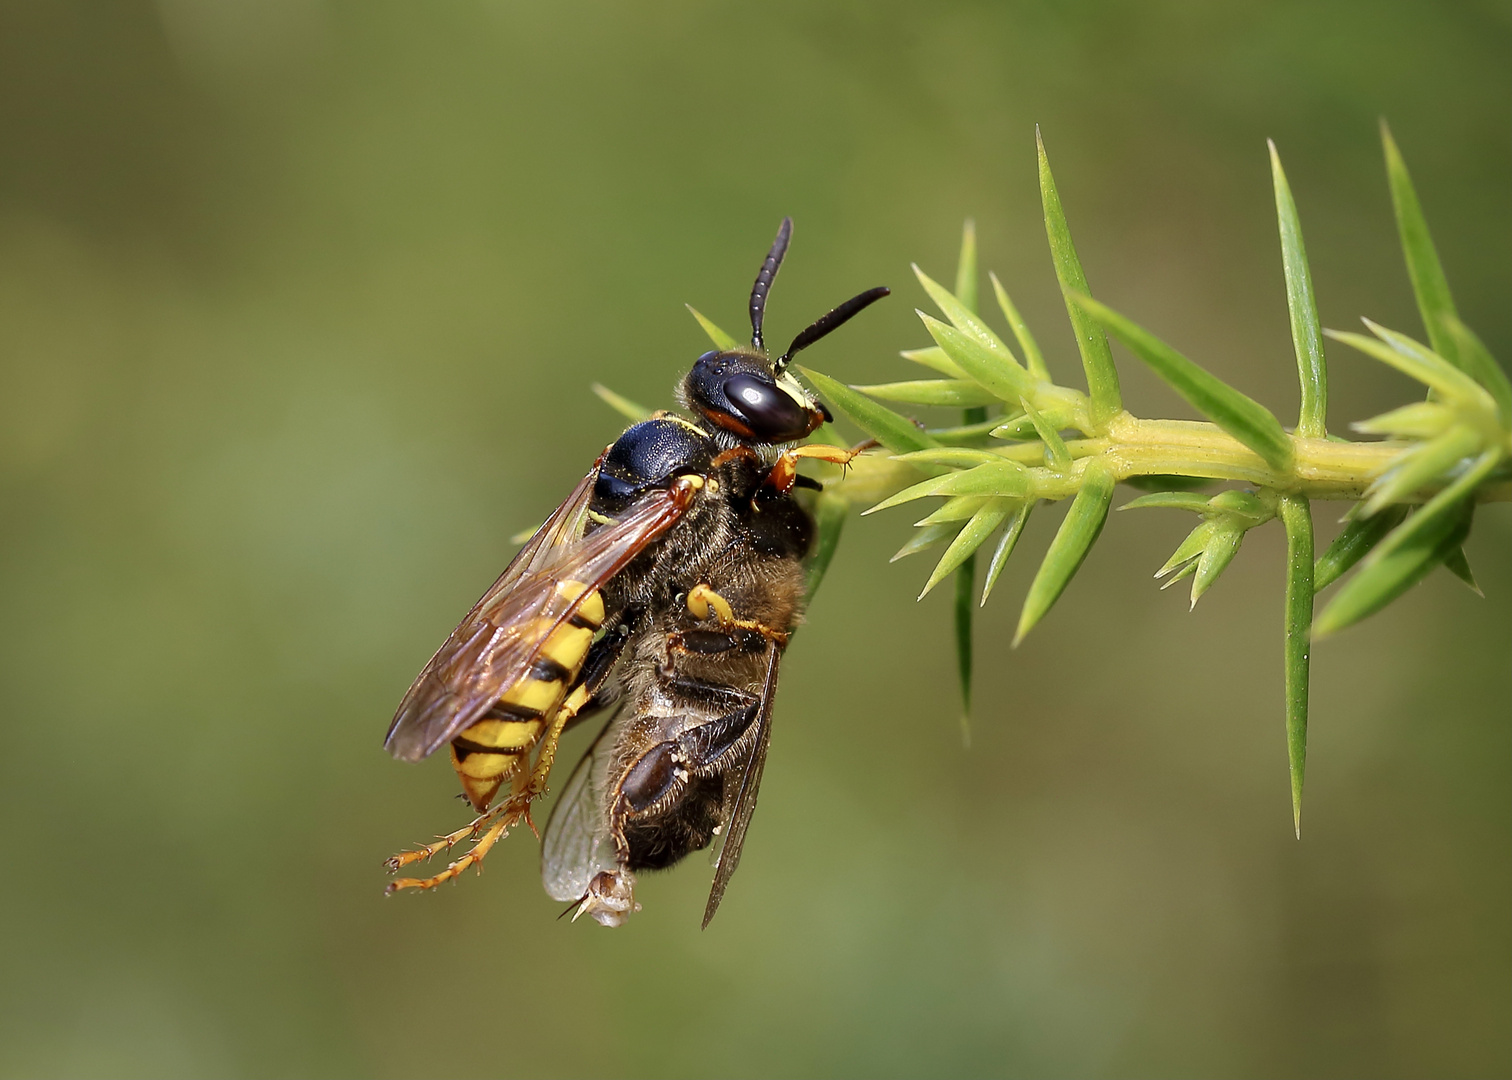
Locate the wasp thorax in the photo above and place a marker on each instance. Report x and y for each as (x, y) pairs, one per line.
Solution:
(742, 394)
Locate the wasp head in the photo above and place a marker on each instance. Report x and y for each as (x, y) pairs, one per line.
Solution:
(751, 397)
(743, 394)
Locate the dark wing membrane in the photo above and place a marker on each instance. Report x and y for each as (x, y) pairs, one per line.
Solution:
(739, 818)
(499, 640)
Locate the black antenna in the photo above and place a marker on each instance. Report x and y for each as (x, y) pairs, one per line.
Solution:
(765, 278)
(831, 321)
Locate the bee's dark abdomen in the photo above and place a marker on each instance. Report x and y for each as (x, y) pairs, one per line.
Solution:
(662, 841)
(646, 456)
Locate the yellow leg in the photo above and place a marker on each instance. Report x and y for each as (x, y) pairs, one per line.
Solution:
(495, 823)
(704, 603)
(785, 471)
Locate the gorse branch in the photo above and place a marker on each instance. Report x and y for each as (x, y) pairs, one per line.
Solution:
(1023, 439)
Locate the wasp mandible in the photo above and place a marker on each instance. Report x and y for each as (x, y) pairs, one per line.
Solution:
(662, 592)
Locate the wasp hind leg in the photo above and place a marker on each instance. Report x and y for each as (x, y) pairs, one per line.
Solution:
(528, 785)
(494, 823)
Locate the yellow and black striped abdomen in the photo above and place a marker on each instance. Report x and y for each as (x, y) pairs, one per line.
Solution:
(496, 747)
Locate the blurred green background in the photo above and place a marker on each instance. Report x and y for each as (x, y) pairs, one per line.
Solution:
(299, 302)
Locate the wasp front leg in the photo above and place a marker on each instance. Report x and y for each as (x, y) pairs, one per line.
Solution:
(784, 473)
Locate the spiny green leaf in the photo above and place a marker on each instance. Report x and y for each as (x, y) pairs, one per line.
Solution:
(1083, 523)
(1354, 543)
(830, 512)
(1381, 581)
(997, 373)
(1033, 358)
(1308, 341)
(1003, 478)
(895, 432)
(1009, 540)
(1296, 515)
(965, 581)
(1056, 454)
(720, 339)
(961, 392)
(1097, 357)
(1021, 427)
(1436, 376)
(1428, 282)
(934, 357)
(622, 405)
(1188, 568)
(925, 538)
(966, 267)
(959, 508)
(965, 434)
(1465, 388)
(963, 318)
(1407, 555)
(1456, 563)
(1420, 466)
(1221, 548)
(972, 535)
(1241, 416)
(1419, 420)
(1478, 362)
(1187, 551)
(963, 457)
(1169, 500)
(1249, 508)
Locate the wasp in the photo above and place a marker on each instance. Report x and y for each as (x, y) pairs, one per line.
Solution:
(662, 592)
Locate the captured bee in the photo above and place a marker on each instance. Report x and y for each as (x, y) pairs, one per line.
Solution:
(662, 593)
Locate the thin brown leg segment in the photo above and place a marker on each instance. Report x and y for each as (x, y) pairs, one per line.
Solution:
(493, 824)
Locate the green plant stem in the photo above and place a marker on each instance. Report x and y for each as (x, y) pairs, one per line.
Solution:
(1321, 468)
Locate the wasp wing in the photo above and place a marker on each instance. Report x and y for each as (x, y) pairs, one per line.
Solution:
(576, 845)
(501, 637)
(738, 820)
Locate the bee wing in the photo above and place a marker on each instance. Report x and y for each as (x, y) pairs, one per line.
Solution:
(501, 637)
(738, 820)
(576, 845)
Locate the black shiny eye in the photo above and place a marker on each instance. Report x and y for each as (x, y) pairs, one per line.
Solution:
(739, 393)
(773, 415)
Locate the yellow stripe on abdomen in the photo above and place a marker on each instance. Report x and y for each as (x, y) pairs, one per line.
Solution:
(494, 749)
(496, 734)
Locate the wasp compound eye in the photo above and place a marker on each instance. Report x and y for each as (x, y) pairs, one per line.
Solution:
(739, 394)
(771, 413)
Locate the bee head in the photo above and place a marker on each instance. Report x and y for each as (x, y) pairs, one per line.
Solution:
(752, 397)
